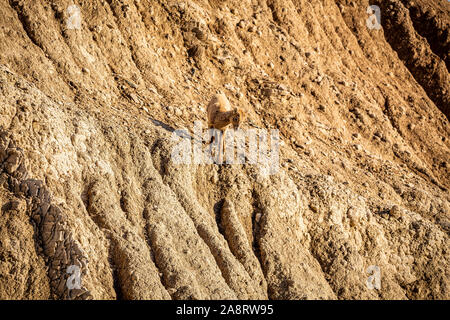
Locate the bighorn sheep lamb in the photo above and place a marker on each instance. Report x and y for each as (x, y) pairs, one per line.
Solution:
(220, 116)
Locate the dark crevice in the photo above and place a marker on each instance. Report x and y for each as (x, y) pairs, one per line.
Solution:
(52, 239)
(115, 271)
(256, 230)
(218, 214)
(24, 19)
(426, 67)
(323, 258)
(160, 271)
(431, 28)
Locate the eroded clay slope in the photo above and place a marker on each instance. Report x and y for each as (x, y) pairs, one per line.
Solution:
(86, 176)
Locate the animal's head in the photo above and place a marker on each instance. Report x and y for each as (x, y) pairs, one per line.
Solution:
(238, 117)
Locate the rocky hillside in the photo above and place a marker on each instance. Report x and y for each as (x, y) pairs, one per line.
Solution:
(90, 95)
